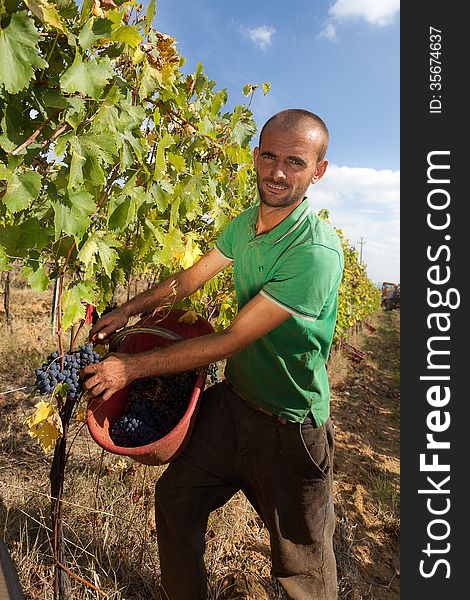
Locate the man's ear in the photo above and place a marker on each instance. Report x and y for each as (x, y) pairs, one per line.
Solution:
(255, 155)
(319, 171)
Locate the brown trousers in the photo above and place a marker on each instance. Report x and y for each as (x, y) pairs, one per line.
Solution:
(285, 471)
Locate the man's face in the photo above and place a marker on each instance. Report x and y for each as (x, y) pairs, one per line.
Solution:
(286, 165)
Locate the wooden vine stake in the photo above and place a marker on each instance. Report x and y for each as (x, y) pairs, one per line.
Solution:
(6, 296)
(57, 471)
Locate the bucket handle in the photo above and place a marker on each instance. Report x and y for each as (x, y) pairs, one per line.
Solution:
(116, 339)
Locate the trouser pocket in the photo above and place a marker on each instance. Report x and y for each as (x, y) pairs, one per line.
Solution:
(304, 447)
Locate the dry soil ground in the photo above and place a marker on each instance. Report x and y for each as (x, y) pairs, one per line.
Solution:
(108, 523)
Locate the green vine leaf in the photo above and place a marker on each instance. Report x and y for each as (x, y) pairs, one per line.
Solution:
(19, 54)
(74, 309)
(88, 78)
(38, 279)
(72, 213)
(100, 244)
(127, 34)
(93, 31)
(22, 188)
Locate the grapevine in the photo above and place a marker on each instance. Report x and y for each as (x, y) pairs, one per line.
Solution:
(358, 297)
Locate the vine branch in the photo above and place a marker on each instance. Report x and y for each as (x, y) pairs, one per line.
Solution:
(35, 134)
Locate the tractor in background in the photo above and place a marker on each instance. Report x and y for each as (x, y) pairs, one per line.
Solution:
(390, 295)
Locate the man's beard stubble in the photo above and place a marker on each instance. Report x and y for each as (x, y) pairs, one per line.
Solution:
(281, 202)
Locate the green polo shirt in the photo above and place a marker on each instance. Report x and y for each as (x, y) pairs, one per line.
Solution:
(298, 265)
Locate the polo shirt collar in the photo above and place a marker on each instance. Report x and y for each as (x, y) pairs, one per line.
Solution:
(288, 225)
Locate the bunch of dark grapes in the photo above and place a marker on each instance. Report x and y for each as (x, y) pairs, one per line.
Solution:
(155, 406)
(213, 372)
(51, 373)
(95, 316)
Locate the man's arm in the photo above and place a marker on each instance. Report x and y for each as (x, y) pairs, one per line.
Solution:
(257, 318)
(166, 293)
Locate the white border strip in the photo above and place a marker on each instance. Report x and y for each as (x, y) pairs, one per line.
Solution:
(292, 312)
(224, 255)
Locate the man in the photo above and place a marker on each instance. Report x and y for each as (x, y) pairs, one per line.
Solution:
(266, 429)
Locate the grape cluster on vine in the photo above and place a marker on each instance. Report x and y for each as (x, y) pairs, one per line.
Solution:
(155, 406)
(51, 373)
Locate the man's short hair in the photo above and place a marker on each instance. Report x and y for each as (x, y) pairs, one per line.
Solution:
(292, 118)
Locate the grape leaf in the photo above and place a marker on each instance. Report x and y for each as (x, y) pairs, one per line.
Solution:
(73, 213)
(4, 260)
(88, 78)
(88, 153)
(37, 279)
(19, 54)
(177, 161)
(87, 254)
(160, 160)
(53, 99)
(102, 244)
(93, 31)
(119, 218)
(266, 87)
(82, 409)
(190, 316)
(243, 132)
(67, 8)
(45, 425)
(47, 13)
(21, 190)
(24, 237)
(173, 245)
(107, 254)
(73, 308)
(150, 81)
(151, 10)
(191, 253)
(127, 34)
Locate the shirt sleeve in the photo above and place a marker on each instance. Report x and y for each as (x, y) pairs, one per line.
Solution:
(224, 243)
(304, 279)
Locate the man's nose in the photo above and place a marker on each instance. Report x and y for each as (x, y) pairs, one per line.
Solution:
(279, 170)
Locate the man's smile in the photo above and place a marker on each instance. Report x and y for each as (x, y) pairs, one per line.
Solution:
(275, 186)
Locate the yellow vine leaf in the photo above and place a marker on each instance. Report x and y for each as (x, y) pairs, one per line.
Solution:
(47, 13)
(81, 413)
(189, 255)
(189, 316)
(45, 425)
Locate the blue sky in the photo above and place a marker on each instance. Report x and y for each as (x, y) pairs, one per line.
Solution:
(337, 58)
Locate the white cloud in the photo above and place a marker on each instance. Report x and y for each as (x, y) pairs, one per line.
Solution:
(328, 32)
(260, 36)
(375, 12)
(365, 203)
(380, 13)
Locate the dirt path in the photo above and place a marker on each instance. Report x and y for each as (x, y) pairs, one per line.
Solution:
(365, 411)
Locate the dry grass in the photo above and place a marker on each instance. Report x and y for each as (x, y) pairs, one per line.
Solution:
(108, 513)
(108, 503)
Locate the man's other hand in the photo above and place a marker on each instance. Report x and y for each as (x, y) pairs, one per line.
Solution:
(108, 376)
(108, 324)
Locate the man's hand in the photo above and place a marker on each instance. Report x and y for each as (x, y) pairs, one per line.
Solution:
(108, 324)
(109, 376)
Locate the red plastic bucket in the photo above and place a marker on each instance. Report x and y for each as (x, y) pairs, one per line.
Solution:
(101, 415)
